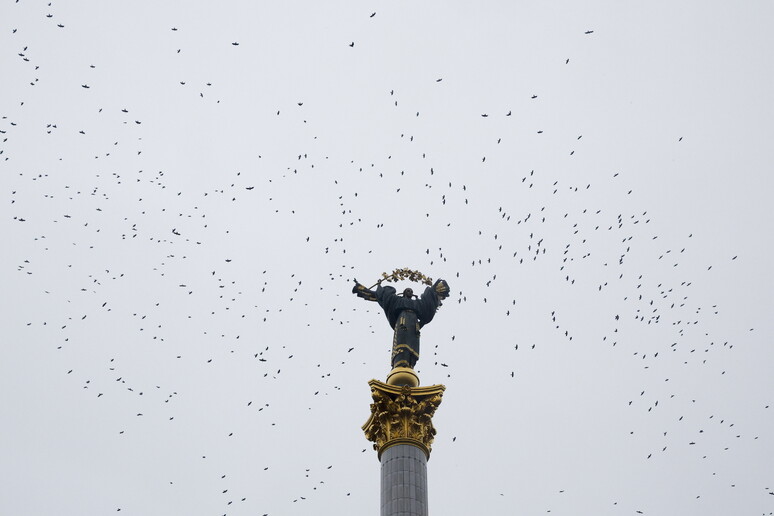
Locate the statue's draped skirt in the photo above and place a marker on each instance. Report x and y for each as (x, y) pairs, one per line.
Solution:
(405, 341)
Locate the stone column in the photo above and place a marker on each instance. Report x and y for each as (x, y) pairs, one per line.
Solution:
(404, 481)
(402, 431)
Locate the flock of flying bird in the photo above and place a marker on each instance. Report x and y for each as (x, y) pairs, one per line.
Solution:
(125, 241)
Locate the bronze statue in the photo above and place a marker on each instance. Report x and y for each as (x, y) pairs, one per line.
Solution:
(406, 313)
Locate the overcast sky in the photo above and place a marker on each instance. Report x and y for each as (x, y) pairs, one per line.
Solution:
(189, 189)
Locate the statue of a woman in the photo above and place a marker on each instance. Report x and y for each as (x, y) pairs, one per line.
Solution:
(406, 315)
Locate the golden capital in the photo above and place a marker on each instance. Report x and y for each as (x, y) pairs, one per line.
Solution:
(402, 415)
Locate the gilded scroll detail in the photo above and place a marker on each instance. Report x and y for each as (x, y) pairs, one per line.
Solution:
(402, 414)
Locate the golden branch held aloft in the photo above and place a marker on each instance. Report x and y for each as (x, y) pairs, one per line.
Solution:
(404, 274)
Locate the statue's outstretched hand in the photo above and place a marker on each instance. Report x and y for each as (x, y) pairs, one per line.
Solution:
(441, 288)
(364, 292)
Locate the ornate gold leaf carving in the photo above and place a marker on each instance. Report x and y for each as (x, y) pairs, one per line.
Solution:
(405, 274)
(402, 414)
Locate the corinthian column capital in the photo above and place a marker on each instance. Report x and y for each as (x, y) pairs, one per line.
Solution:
(402, 415)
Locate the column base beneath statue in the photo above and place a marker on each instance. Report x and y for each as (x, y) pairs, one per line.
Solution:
(400, 376)
(401, 428)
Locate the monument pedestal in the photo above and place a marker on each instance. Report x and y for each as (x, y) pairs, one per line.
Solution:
(402, 431)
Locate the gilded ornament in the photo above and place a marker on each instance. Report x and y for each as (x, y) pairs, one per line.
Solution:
(402, 415)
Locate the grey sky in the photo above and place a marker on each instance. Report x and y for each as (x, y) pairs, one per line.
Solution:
(177, 276)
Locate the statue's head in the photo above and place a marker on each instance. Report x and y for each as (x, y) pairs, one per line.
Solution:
(408, 293)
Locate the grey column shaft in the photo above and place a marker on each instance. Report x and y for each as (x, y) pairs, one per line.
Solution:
(404, 481)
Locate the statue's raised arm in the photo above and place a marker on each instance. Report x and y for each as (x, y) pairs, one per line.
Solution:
(364, 292)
